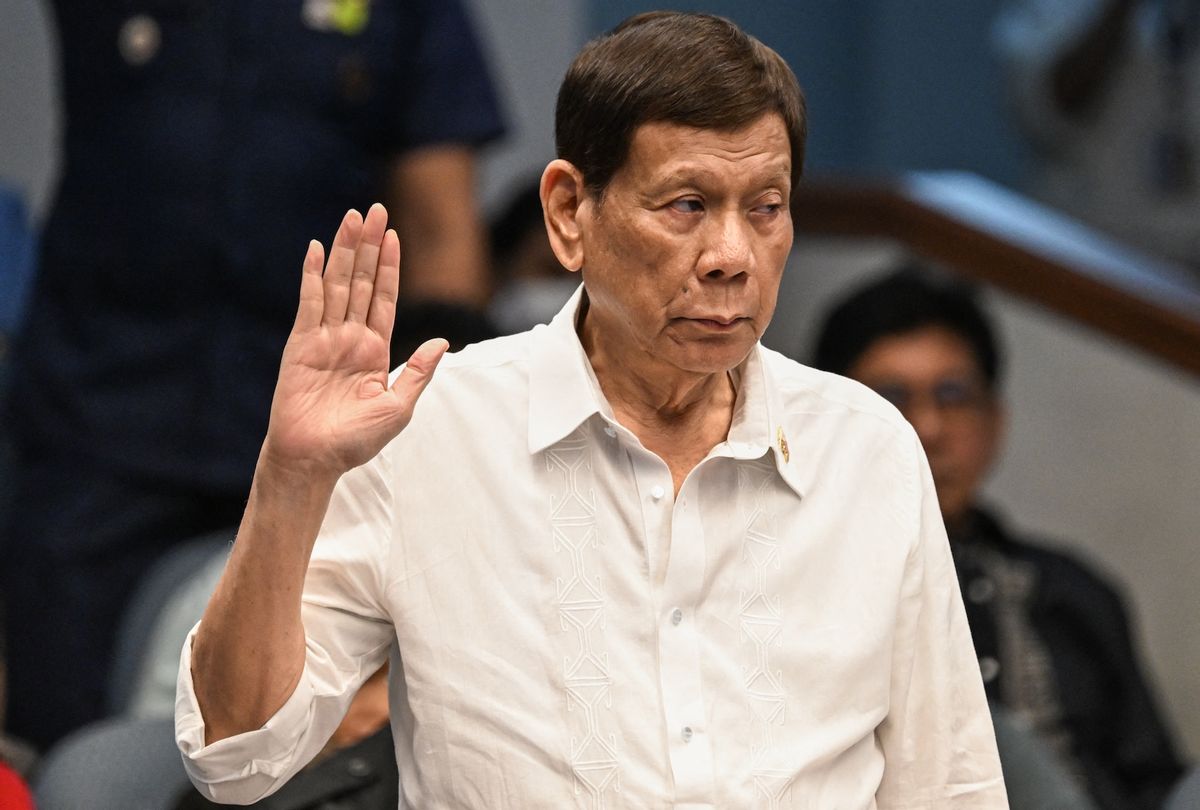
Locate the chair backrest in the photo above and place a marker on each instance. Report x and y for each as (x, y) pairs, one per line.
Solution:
(1033, 774)
(171, 573)
(1186, 793)
(121, 762)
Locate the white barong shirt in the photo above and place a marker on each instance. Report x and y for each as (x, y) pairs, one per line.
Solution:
(564, 632)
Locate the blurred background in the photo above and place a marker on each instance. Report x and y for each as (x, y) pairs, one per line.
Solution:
(1103, 449)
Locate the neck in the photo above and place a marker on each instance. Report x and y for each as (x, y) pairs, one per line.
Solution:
(680, 416)
(637, 383)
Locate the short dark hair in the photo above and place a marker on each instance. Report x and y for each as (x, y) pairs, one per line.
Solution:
(904, 301)
(695, 70)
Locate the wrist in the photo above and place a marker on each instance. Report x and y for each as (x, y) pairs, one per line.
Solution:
(305, 479)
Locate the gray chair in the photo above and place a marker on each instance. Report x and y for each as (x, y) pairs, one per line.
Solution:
(1186, 794)
(172, 572)
(1035, 778)
(120, 763)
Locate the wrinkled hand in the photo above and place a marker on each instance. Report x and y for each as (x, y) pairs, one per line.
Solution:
(333, 409)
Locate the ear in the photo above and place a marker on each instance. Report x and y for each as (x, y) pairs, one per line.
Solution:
(563, 195)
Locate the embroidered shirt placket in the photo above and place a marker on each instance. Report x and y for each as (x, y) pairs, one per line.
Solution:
(581, 611)
(761, 624)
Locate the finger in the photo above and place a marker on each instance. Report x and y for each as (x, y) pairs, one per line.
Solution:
(382, 316)
(417, 373)
(366, 260)
(312, 297)
(340, 267)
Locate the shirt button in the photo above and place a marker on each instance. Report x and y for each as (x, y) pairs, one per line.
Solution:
(676, 616)
(686, 734)
(989, 668)
(980, 591)
(358, 767)
(611, 431)
(657, 493)
(139, 40)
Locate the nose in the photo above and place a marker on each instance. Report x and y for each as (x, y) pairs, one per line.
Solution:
(729, 251)
(927, 421)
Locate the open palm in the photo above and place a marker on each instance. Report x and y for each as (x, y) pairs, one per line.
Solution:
(333, 408)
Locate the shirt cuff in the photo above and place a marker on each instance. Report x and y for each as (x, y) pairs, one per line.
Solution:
(245, 767)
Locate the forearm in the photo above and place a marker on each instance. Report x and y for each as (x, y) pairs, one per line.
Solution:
(249, 651)
(333, 411)
(440, 228)
(453, 268)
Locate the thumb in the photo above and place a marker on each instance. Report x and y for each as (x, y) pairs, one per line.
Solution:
(418, 371)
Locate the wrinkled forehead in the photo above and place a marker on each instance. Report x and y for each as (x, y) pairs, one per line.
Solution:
(758, 151)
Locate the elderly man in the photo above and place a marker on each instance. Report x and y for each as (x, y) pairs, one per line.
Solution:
(628, 559)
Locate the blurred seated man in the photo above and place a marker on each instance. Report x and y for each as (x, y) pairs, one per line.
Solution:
(1052, 637)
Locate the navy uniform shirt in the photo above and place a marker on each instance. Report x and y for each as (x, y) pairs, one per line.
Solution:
(205, 144)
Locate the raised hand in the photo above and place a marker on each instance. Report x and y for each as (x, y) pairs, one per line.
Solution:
(333, 408)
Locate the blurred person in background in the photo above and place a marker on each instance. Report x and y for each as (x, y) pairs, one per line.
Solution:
(205, 142)
(1108, 94)
(1053, 640)
(531, 285)
(17, 245)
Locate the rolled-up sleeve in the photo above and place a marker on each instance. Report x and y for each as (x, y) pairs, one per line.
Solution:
(348, 635)
(938, 745)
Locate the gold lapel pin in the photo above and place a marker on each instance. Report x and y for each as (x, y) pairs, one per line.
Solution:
(783, 445)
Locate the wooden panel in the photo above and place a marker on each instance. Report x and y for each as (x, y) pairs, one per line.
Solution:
(998, 237)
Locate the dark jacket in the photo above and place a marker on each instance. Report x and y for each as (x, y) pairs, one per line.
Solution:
(1116, 739)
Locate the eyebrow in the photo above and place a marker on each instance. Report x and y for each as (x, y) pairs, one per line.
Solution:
(694, 175)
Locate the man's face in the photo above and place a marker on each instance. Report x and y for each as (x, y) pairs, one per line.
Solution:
(683, 255)
(932, 376)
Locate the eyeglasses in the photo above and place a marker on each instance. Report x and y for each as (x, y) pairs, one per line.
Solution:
(949, 396)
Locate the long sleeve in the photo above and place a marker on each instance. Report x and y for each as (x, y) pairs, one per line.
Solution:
(347, 634)
(938, 745)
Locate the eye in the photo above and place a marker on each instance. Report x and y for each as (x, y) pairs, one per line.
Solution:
(898, 395)
(957, 394)
(769, 204)
(687, 205)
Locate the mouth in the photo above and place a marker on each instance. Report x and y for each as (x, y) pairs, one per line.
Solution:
(717, 323)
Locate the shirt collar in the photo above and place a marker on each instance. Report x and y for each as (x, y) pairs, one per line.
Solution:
(563, 389)
(758, 419)
(564, 393)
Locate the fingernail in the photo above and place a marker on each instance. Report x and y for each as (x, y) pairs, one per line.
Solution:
(434, 346)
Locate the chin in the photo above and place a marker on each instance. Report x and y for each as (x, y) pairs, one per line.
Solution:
(712, 359)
